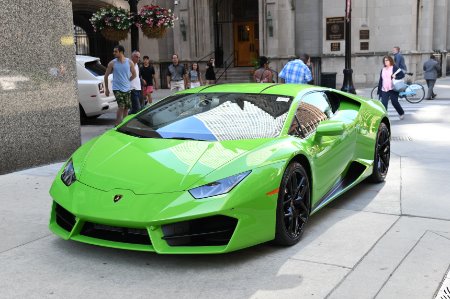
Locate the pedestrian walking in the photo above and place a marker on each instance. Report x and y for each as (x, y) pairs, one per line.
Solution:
(147, 73)
(176, 76)
(385, 87)
(431, 68)
(195, 78)
(399, 59)
(135, 85)
(307, 60)
(263, 74)
(210, 74)
(123, 72)
(296, 71)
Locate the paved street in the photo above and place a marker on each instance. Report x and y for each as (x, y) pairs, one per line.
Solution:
(390, 240)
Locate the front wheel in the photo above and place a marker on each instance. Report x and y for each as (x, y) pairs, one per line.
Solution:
(382, 154)
(293, 205)
(414, 93)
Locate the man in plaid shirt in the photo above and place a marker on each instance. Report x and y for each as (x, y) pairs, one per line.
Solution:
(296, 71)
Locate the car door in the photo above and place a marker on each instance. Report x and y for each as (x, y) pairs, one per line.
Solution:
(330, 153)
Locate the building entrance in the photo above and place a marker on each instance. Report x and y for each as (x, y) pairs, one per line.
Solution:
(246, 42)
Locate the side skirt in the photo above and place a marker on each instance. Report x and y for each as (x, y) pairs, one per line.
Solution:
(354, 175)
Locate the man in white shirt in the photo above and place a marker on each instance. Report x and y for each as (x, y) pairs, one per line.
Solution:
(135, 85)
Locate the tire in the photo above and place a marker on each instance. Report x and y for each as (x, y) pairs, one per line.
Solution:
(373, 93)
(419, 93)
(293, 206)
(382, 154)
(82, 113)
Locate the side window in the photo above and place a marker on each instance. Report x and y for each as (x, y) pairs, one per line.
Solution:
(313, 109)
(319, 100)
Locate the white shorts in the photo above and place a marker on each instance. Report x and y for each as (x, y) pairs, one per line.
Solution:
(195, 84)
(177, 85)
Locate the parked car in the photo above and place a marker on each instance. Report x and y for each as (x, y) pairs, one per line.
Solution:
(91, 88)
(219, 168)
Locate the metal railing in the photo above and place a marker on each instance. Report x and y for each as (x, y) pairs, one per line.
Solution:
(227, 63)
(203, 58)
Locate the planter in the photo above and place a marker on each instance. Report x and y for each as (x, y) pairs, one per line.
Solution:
(114, 34)
(153, 32)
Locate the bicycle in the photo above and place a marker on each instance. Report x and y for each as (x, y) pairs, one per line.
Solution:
(414, 92)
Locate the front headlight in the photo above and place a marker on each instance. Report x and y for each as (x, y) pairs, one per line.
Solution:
(218, 187)
(68, 175)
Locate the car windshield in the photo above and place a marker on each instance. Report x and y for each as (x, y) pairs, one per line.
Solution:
(95, 68)
(212, 117)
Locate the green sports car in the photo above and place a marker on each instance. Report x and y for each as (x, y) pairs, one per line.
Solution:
(219, 168)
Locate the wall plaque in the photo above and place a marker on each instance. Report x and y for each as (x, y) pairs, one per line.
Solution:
(335, 46)
(363, 34)
(364, 46)
(335, 28)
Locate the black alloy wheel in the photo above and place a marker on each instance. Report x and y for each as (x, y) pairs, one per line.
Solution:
(293, 205)
(382, 154)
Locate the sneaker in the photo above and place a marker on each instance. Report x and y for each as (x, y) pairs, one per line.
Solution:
(433, 96)
(401, 116)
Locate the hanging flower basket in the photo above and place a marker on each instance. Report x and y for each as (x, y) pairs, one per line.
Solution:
(153, 32)
(154, 20)
(114, 34)
(114, 22)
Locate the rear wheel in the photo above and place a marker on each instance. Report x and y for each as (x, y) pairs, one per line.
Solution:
(382, 154)
(293, 205)
(415, 93)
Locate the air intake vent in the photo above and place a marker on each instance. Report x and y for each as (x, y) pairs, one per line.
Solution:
(116, 234)
(209, 231)
(64, 218)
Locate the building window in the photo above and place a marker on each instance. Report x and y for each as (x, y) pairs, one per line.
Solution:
(81, 41)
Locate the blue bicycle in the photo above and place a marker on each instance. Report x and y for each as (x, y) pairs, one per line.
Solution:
(413, 93)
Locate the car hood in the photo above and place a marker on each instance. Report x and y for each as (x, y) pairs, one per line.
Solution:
(153, 165)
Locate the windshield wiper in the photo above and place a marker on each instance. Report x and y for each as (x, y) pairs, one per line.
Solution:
(185, 138)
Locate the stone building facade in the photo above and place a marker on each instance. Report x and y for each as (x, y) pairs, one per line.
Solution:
(236, 32)
(39, 117)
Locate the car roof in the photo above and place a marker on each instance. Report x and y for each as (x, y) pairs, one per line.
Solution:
(264, 88)
(84, 58)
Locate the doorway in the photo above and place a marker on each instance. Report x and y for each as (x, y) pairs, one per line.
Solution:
(246, 42)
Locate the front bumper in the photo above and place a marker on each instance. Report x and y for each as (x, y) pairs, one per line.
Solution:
(170, 222)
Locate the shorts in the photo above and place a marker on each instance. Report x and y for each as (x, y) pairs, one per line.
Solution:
(123, 99)
(177, 85)
(195, 84)
(148, 89)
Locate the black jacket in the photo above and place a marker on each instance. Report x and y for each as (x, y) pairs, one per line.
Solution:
(400, 75)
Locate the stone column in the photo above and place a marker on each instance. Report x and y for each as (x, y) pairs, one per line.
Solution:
(426, 25)
(308, 21)
(283, 41)
(440, 25)
(39, 114)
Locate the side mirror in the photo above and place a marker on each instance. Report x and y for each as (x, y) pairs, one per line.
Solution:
(330, 128)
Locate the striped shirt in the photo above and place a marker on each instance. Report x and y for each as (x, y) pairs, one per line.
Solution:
(296, 71)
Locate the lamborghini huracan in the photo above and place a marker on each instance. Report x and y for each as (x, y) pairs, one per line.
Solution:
(219, 168)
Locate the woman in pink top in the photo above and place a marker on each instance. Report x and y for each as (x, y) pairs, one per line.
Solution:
(385, 88)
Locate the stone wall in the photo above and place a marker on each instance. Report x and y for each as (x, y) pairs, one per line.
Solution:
(39, 117)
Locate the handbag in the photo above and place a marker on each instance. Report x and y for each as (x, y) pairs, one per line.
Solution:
(398, 84)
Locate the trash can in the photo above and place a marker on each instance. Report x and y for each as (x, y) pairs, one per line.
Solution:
(328, 80)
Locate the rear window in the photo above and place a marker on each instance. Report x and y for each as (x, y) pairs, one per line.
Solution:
(95, 68)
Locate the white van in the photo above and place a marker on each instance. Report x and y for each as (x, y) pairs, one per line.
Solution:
(91, 88)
